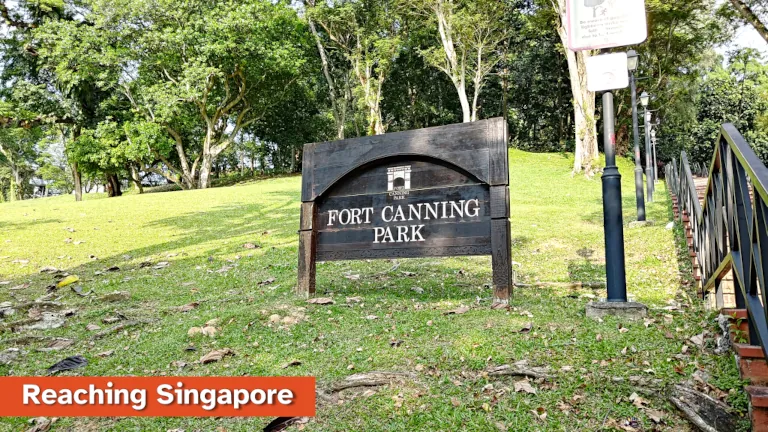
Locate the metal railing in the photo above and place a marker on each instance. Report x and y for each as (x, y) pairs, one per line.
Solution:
(730, 229)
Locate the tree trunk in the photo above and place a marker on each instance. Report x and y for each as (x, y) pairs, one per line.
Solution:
(339, 109)
(586, 151)
(206, 166)
(76, 175)
(113, 186)
(751, 17)
(17, 188)
(136, 179)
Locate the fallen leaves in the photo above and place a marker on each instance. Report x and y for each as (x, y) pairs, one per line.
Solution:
(68, 363)
(458, 311)
(291, 364)
(250, 246)
(67, 281)
(526, 328)
(321, 301)
(161, 265)
(92, 327)
(524, 386)
(216, 355)
(188, 307)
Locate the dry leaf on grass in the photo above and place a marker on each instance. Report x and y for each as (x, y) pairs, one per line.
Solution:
(458, 311)
(291, 363)
(524, 386)
(321, 301)
(216, 355)
(267, 281)
(188, 307)
(92, 327)
(526, 328)
(250, 246)
(105, 353)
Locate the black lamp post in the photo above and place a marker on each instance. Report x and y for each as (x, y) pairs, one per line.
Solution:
(632, 61)
(644, 99)
(655, 163)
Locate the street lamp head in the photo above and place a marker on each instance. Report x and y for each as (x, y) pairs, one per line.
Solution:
(653, 133)
(644, 98)
(632, 60)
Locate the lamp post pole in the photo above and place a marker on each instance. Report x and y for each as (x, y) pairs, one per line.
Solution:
(655, 162)
(616, 279)
(639, 197)
(648, 162)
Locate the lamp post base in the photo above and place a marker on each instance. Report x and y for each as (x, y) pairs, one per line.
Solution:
(628, 310)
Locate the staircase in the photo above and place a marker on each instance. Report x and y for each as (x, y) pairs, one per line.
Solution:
(725, 218)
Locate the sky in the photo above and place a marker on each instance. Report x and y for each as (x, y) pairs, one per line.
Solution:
(746, 37)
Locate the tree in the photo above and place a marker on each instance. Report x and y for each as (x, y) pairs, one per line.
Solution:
(470, 43)
(18, 153)
(202, 71)
(367, 32)
(585, 124)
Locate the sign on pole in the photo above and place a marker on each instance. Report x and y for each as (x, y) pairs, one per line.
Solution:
(607, 72)
(595, 24)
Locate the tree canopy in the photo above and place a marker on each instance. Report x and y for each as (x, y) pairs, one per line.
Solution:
(119, 91)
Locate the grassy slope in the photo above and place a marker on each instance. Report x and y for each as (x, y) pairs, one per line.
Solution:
(557, 236)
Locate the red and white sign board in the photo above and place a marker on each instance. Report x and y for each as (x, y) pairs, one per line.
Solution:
(607, 72)
(595, 24)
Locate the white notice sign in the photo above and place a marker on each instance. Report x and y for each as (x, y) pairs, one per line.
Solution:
(607, 72)
(594, 24)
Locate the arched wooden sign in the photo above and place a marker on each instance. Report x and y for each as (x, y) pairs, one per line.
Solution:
(441, 191)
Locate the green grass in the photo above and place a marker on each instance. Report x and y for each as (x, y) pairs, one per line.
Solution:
(557, 237)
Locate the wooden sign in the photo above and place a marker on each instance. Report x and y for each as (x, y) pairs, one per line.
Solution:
(441, 191)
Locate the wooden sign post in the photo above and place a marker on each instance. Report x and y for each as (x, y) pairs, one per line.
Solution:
(441, 191)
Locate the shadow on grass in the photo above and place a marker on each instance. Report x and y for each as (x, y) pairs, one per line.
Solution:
(11, 226)
(586, 269)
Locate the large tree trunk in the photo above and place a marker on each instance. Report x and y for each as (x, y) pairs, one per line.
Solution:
(76, 175)
(586, 151)
(751, 17)
(454, 70)
(113, 186)
(206, 166)
(17, 186)
(339, 109)
(136, 179)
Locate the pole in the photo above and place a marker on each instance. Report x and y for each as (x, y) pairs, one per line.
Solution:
(616, 279)
(648, 168)
(639, 197)
(655, 164)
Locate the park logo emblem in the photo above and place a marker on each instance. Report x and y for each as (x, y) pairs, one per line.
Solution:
(399, 181)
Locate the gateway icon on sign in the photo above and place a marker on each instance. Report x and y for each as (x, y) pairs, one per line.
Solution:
(399, 181)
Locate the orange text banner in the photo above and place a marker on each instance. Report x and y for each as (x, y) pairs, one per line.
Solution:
(157, 396)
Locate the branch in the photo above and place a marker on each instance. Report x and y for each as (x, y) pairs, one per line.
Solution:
(751, 17)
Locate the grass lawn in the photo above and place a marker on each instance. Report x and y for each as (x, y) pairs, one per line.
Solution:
(557, 237)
